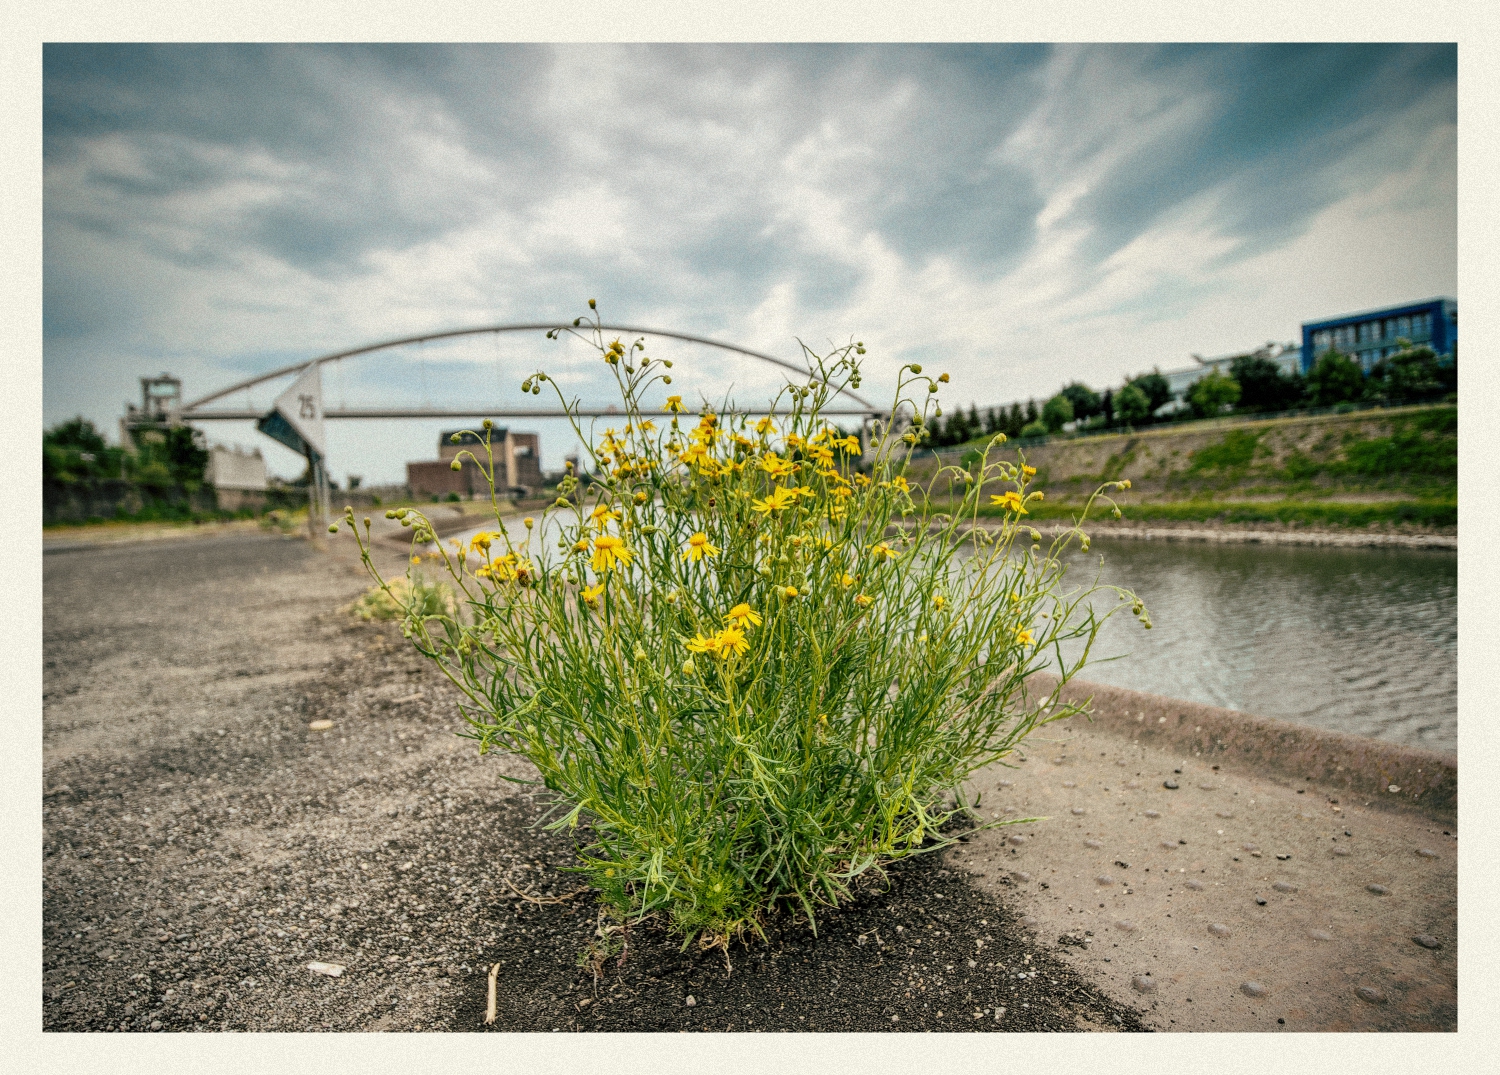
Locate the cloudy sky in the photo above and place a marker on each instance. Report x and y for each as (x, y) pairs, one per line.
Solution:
(1021, 216)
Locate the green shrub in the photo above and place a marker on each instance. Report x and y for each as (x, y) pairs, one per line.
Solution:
(749, 671)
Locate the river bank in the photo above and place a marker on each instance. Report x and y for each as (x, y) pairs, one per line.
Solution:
(203, 845)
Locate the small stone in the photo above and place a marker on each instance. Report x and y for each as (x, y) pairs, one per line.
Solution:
(1224, 814)
(1379, 890)
(1427, 852)
(1342, 852)
(1070, 784)
(1007, 784)
(692, 1001)
(1125, 925)
(1253, 989)
(1207, 787)
(1282, 858)
(156, 1024)
(1017, 841)
(1143, 983)
(1320, 935)
(1195, 884)
(1028, 921)
(1170, 785)
(1168, 845)
(332, 970)
(1219, 929)
(1020, 875)
(1153, 813)
(1133, 785)
(1095, 844)
(1104, 879)
(1370, 995)
(1078, 811)
(1249, 847)
(1260, 900)
(320, 725)
(1427, 940)
(1284, 886)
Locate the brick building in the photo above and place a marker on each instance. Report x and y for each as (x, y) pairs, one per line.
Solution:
(518, 468)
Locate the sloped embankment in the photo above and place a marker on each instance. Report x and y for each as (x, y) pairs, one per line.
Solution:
(1396, 467)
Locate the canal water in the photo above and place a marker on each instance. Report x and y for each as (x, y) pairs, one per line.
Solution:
(1355, 640)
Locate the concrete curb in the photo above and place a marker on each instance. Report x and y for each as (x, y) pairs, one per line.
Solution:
(1361, 766)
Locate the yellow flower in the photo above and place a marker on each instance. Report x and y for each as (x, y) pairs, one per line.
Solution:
(850, 444)
(699, 644)
(776, 466)
(741, 615)
(939, 601)
(591, 595)
(602, 515)
(1010, 501)
(788, 592)
(698, 547)
(881, 549)
(481, 541)
(416, 559)
(780, 498)
(765, 426)
(793, 441)
(674, 405)
(646, 426)
(1023, 636)
(608, 551)
(696, 455)
(581, 546)
(846, 580)
(864, 600)
(731, 640)
(1028, 471)
(899, 483)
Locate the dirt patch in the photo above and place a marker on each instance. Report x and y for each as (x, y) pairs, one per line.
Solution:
(202, 845)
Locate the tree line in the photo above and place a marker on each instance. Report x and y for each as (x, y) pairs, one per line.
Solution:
(1253, 385)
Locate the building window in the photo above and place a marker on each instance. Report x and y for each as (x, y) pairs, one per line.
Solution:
(1421, 326)
(1403, 327)
(1321, 341)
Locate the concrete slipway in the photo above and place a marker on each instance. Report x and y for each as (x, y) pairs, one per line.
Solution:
(1225, 872)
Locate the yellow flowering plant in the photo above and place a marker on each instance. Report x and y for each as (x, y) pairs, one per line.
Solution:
(750, 661)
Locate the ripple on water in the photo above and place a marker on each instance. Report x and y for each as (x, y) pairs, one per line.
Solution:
(1253, 989)
(1143, 983)
(1219, 929)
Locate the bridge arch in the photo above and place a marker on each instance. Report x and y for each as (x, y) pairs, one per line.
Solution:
(195, 408)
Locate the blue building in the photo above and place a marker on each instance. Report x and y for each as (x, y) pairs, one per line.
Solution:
(1370, 336)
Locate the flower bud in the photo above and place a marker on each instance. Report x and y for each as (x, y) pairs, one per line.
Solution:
(488, 424)
(528, 522)
(688, 668)
(640, 653)
(667, 362)
(667, 379)
(592, 305)
(457, 464)
(562, 501)
(455, 438)
(334, 529)
(916, 367)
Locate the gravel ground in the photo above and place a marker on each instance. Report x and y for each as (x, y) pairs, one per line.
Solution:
(203, 845)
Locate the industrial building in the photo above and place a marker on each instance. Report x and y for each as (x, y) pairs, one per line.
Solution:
(518, 469)
(238, 477)
(1370, 336)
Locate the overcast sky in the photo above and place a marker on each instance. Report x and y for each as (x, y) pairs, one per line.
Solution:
(1021, 216)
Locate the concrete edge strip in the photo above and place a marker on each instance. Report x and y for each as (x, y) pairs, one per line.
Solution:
(1363, 767)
